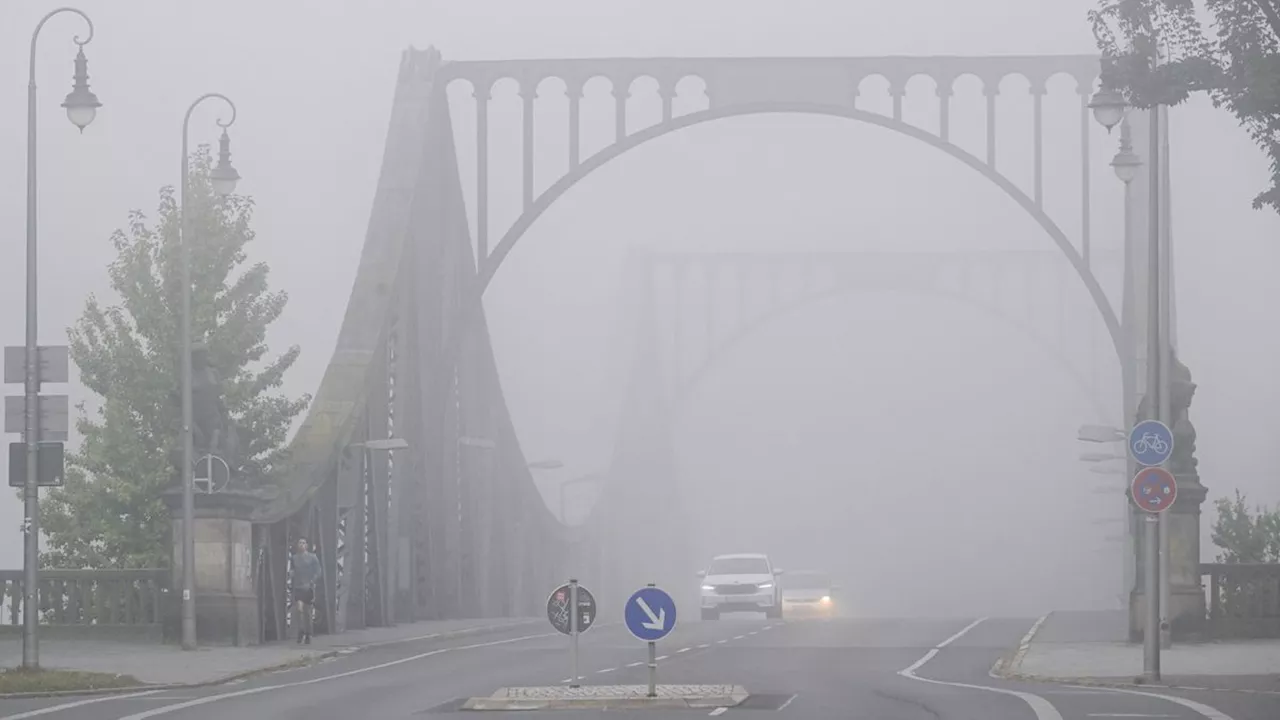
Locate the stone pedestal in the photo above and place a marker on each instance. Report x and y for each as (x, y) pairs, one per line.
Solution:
(226, 602)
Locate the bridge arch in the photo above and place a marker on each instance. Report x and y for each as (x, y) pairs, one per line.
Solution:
(488, 266)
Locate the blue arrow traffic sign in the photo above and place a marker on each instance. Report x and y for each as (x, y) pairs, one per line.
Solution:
(1150, 443)
(650, 614)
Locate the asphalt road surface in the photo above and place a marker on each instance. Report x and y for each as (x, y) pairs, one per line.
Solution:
(845, 669)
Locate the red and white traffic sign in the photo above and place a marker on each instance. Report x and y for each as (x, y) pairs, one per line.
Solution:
(1154, 489)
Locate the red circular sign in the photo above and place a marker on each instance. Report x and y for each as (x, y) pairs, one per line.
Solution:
(1154, 489)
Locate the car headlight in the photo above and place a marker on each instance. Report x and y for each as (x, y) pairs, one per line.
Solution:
(708, 587)
(765, 586)
(826, 600)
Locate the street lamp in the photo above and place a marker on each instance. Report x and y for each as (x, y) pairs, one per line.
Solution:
(1126, 162)
(224, 179)
(1109, 107)
(82, 106)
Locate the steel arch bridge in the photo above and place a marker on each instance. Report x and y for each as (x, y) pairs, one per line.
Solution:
(452, 526)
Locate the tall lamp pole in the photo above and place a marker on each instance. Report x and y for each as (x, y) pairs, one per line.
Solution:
(223, 178)
(82, 106)
(1109, 109)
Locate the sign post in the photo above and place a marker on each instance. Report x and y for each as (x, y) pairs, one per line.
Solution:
(650, 614)
(1154, 490)
(572, 611)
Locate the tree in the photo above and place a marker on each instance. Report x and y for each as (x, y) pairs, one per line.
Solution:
(1239, 67)
(1244, 535)
(110, 512)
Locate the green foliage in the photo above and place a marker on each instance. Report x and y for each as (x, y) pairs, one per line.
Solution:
(110, 512)
(1239, 66)
(1244, 535)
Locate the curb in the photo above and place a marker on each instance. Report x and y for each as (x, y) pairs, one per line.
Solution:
(296, 663)
(1008, 667)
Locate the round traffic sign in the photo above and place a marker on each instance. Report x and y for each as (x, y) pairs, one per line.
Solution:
(650, 614)
(1154, 489)
(1150, 442)
(558, 611)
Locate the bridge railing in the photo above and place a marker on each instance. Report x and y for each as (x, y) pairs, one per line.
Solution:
(1244, 599)
(84, 604)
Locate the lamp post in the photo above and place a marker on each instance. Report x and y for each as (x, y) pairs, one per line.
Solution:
(81, 106)
(1109, 108)
(223, 178)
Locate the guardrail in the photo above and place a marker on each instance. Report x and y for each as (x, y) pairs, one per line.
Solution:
(90, 604)
(1244, 599)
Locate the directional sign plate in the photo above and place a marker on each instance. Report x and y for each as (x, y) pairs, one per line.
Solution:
(1150, 443)
(650, 614)
(54, 416)
(53, 359)
(1154, 489)
(558, 609)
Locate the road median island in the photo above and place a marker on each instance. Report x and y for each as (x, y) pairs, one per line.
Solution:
(609, 697)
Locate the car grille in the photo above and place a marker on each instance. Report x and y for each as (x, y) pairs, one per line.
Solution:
(736, 589)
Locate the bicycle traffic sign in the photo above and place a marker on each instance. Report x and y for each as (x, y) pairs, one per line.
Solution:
(560, 614)
(1154, 489)
(1150, 443)
(650, 614)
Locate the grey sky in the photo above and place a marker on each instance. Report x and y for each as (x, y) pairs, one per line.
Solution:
(881, 400)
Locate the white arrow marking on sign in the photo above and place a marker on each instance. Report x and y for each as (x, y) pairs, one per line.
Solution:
(656, 622)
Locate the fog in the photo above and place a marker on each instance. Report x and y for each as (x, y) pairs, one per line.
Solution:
(921, 448)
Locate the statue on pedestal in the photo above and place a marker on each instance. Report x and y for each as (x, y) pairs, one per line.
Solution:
(213, 431)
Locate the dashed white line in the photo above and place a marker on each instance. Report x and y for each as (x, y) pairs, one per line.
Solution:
(721, 642)
(684, 650)
(738, 637)
(717, 711)
(753, 632)
(660, 657)
(703, 646)
(601, 672)
(635, 664)
(784, 705)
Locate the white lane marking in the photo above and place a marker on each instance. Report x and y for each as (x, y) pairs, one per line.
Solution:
(753, 632)
(717, 711)
(1043, 709)
(784, 705)
(721, 642)
(960, 634)
(601, 672)
(703, 646)
(635, 664)
(78, 703)
(684, 650)
(1024, 646)
(358, 671)
(1132, 715)
(1205, 710)
(738, 637)
(660, 657)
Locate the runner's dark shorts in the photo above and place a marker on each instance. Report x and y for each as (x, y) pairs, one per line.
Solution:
(304, 595)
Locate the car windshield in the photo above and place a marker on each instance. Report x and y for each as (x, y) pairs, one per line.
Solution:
(739, 566)
(807, 581)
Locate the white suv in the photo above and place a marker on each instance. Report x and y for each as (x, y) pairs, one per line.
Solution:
(740, 583)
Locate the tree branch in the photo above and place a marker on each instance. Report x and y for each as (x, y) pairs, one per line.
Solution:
(1273, 16)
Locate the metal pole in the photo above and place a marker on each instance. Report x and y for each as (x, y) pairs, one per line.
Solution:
(184, 360)
(31, 383)
(1166, 358)
(30, 488)
(563, 521)
(188, 452)
(1129, 378)
(653, 670)
(573, 629)
(1151, 632)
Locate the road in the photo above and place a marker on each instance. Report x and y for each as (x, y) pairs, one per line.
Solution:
(845, 669)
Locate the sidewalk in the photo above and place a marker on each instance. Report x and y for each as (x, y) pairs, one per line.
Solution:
(1088, 647)
(156, 664)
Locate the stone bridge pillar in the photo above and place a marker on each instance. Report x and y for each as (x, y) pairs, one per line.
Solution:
(226, 602)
